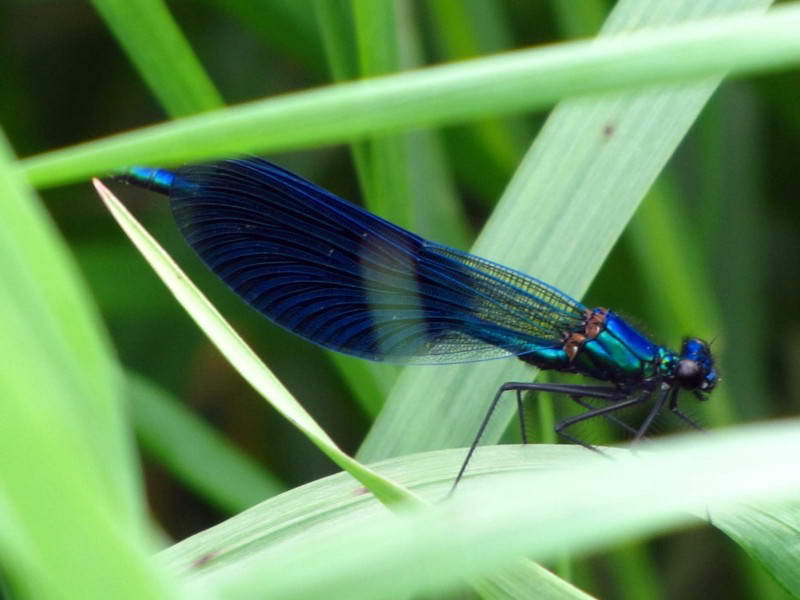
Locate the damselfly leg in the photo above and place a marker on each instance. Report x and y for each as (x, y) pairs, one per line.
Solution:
(617, 400)
(673, 406)
(620, 402)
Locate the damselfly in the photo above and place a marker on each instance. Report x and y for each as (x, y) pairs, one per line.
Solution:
(350, 281)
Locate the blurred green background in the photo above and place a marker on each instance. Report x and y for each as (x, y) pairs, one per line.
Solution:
(715, 248)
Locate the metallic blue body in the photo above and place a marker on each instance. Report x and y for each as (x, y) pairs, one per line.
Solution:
(156, 180)
(348, 280)
(619, 354)
(622, 354)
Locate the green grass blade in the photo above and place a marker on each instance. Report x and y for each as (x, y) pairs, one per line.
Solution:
(630, 567)
(435, 208)
(310, 510)
(59, 313)
(158, 50)
(240, 355)
(484, 153)
(502, 84)
(565, 208)
(69, 507)
(334, 19)
(204, 460)
(404, 176)
(284, 25)
(769, 533)
(733, 209)
(526, 579)
(579, 18)
(687, 305)
(636, 572)
(532, 501)
(735, 193)
(375, 23)
(369, 382)
(387, 174)
(384, 171)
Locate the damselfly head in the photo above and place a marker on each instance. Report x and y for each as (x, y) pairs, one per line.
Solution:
(695, 369)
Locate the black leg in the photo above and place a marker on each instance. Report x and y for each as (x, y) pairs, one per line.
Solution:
(611, 394)
(597, 412)
(687, 419)
(673, 406)
(608, 417)
(657, 407)
(521, 415)
(503, 388)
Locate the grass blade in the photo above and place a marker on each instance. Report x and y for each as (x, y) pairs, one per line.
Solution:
(485, 153)
(526, 501)
(369, 382)
(282, 24)
(447, 94)
(384, 170)
(46, 288)
(205, 461)
(689, 304)
(69, 506)
(158, 50)
(769, 533)
(571, 198)
(404, 176)
(239, 354)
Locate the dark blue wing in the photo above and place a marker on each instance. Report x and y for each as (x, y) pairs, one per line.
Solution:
(348, 280)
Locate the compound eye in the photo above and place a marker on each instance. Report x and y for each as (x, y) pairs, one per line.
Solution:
(689, 374)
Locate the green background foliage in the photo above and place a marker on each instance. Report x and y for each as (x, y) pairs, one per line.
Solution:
(96, 349)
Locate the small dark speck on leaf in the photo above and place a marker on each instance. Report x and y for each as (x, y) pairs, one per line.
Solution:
(360, 491)
(204, 559)
(608, 130)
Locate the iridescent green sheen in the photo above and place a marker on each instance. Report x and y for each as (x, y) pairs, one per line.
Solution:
(549, 358)
(156, 180)
(618, 353)
(667, 361)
